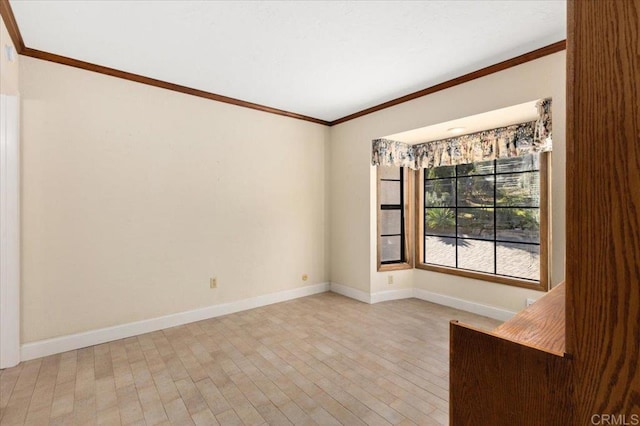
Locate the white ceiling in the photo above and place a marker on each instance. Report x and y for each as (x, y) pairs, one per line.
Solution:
(515, 114)
(324, 59)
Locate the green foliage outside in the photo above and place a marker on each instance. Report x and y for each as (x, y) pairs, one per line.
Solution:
(475, 203)
(443, 220)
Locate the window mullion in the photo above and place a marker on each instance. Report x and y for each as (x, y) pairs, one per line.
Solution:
(455, 176)
(495, 225)
(423, 216)
(393, 247)
(402, 234)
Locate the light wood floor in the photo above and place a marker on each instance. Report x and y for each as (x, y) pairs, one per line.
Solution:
(323, 359)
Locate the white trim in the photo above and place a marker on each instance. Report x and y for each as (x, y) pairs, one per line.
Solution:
(9, 231)
(383, 296)
(464, 305)
(351, 292)
(418, 293)
(94, 337)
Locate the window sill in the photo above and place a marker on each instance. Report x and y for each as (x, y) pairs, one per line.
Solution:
(394, 267)
(516, 282)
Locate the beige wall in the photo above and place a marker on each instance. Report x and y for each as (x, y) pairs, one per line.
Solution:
(352, 179)
(134, 196)
(8, 70)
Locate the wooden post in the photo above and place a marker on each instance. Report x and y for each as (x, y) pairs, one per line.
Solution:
(603, 209)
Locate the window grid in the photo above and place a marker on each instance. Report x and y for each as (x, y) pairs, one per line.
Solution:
(400, 207)
(495, 231)
(455, 208)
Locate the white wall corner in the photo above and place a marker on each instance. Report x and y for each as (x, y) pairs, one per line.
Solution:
(380, 296)
(440, 299)
(383, 296)
(463, 305)
(9, 231)
(95, 337)
(351, 292)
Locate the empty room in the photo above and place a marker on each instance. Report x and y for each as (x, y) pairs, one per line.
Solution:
(320, 212)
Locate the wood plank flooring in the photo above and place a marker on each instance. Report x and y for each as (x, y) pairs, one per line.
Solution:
(323, 359)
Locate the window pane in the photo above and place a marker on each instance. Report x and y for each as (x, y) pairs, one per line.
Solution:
(440, 221)
(440, 251)
(468, 207)
(521, 189)
(389, 192)
(475, 255)
(518, 225)
(480, 168)
(519, 260)
(518, 164)
(440, 193)
(475, 223)
(475, 191)
(390, 221)
(391, 249)
(389, 172)
(440, 172)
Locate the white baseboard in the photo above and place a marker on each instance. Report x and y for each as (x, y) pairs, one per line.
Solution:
(95, 337)
(464, 305)
(384, 296)
(440, 299)
(351, 292)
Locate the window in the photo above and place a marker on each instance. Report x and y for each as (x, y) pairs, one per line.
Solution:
(486, 220)
(394, 222)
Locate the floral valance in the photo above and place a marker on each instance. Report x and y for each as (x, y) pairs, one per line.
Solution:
(386, 152)
(509, 141)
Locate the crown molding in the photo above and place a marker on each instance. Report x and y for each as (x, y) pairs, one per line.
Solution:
(509, 63)
(12, 26)
(64, 60)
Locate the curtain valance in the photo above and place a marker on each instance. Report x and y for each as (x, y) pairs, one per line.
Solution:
(509, 141)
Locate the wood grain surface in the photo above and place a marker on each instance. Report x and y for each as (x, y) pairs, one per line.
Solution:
(603, 206)
(495, 381)
(541, 325)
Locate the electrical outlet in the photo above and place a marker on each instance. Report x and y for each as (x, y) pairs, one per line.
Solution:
(305, 277)
(390, 279)
(530, 301)
(213, 282)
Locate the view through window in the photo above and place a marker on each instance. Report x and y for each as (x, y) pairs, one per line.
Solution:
(391, 215)
(484, 217)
